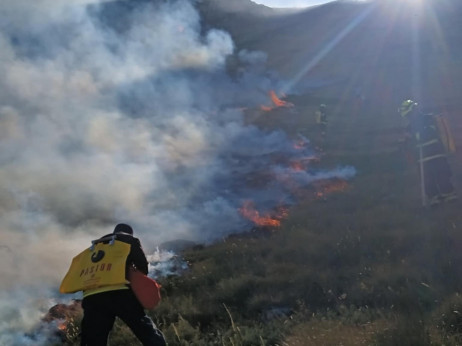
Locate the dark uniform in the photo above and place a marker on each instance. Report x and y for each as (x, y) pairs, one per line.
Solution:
(101, 306)
(436, 170)
(321, 120)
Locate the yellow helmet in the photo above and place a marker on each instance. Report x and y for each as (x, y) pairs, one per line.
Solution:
(406, 107)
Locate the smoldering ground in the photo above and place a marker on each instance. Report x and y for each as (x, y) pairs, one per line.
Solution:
(111, 113)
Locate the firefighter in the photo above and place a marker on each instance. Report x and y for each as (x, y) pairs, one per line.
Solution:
(321, 119)
(102, 305)
(435, 170)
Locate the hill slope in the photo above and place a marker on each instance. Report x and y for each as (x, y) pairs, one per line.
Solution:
(370, 253)
(362, 264)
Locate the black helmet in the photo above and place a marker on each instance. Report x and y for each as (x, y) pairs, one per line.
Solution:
(123, 228)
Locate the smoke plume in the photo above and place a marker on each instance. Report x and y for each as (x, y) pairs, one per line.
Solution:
(117, 112)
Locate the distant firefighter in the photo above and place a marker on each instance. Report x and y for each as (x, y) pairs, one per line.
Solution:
(433, 141)
(321, 119)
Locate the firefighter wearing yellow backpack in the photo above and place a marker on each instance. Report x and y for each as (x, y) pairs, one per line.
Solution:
(101, 272)
(434, 143)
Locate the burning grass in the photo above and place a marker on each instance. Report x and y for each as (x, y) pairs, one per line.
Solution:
(66, 318)
(273, 219)
(276, 102)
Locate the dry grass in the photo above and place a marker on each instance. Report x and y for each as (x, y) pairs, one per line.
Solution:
(335, 333)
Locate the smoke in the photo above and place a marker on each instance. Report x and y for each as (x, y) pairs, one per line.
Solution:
(290, 4)
(303, 178)
(110, 112)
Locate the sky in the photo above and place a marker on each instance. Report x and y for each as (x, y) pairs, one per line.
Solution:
(290, 3)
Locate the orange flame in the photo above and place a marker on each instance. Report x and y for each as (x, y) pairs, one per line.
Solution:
(248, 211)
(63, 315)
(62, 326)
(276, 100)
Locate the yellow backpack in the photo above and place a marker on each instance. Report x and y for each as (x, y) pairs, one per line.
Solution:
(100, 265)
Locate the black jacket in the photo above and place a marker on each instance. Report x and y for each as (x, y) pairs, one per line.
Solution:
(136, 256)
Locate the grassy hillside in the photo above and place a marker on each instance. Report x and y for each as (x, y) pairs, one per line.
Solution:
(364, 264)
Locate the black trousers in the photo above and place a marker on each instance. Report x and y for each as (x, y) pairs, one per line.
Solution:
(100, 311)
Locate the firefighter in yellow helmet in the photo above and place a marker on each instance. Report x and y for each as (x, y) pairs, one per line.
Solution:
(433, 160)
(407, 107)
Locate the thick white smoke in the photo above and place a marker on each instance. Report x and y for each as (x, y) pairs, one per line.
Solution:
(109, 112)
